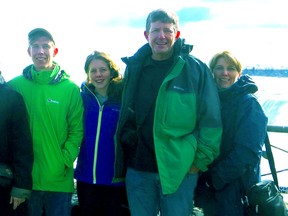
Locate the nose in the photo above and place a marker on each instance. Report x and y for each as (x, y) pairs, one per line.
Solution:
(225, 72)
(161, 34)
(41, 49)
(98, 73)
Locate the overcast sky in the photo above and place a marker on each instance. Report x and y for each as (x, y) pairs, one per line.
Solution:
(256, 31)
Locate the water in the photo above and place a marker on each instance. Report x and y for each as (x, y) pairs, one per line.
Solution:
(273, 95)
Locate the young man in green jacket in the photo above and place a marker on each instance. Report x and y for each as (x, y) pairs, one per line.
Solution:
(55, 111)
(170, 124)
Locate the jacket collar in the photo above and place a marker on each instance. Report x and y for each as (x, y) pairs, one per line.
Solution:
(56, 74)
(2, 80)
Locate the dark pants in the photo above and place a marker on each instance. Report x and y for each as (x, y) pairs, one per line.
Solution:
(6, 208)
(49, 203)
(224, 202)
(101, 200)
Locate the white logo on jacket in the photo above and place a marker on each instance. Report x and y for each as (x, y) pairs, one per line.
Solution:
(52, 101)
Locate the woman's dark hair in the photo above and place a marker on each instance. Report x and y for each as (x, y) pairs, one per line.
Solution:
(115, 86)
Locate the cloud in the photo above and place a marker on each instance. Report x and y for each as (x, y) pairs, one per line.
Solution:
(255, 30)
(186, 15)
(194, 14)
(273, 26)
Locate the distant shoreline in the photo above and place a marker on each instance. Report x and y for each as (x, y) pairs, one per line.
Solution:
(270, 72)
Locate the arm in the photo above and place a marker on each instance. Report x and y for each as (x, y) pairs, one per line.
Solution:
(209, 131)
(247, 141)
(75, 128)
(21, 142)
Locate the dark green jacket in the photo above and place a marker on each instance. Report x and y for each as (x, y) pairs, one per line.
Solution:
(187, 123)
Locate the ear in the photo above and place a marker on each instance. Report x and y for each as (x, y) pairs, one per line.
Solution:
(55, 52)
(29, 52)
(177, 35)
(146, 35)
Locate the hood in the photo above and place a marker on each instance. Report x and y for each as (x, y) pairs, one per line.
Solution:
(2, 80)
(181, 48)
(47, 77)
(87, 87)
(82, 86)
(244, 85)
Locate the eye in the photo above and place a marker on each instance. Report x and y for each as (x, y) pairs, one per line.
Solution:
(103, 70)
(154, 31)
(168, 31)
(231, 68)
(92, 71)
(35, 46)
(46, 46)
(219, 68)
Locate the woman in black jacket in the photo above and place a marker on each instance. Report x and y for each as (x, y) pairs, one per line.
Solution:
(16, 154)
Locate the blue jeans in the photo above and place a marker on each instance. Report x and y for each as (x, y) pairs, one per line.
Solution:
(54, 203)
(145, 195)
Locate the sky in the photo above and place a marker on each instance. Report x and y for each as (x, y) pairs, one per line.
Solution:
(255, 31)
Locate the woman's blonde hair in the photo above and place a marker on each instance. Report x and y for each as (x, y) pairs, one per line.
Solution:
(229, 58)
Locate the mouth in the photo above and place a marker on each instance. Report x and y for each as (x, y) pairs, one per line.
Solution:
(224, 79)
(161, 43)
(41, 58)
(99, 81)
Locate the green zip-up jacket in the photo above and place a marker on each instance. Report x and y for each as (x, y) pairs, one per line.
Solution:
(55, 111)
(187, 121)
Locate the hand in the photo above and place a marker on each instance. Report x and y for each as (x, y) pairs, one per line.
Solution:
(15, 201)
(193, 169)
(209, 183)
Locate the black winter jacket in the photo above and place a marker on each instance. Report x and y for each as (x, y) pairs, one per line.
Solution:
(15, 140)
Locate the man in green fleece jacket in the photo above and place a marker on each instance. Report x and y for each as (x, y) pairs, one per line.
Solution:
(55, 111)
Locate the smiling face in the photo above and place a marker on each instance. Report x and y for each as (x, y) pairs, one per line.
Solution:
(42, 51)
(161, 38)
(225, 74)
(99, 75)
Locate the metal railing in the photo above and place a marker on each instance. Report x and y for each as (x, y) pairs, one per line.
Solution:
(278, 129)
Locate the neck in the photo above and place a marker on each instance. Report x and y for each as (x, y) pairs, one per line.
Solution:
(48, 68)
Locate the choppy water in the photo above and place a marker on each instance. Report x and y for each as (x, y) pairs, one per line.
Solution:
(273, 95)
